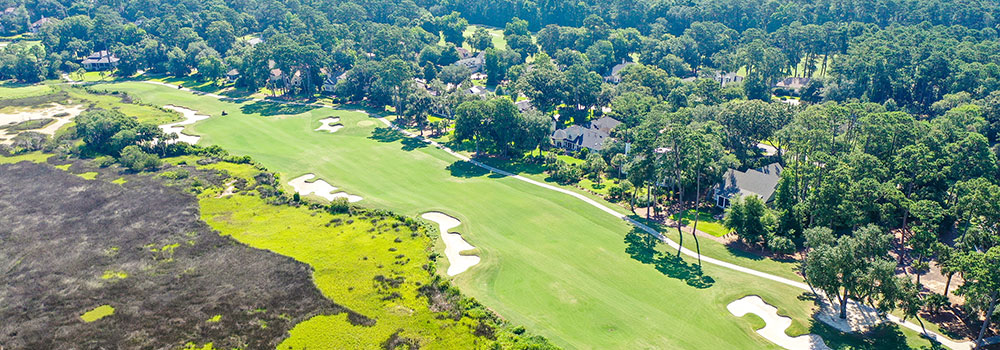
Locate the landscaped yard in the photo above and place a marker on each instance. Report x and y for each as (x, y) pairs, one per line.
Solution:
(550, 262)
(706, 222)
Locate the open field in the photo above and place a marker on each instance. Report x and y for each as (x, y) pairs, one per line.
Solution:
(550, 262)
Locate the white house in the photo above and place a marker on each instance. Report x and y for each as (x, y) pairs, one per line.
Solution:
(100, 60)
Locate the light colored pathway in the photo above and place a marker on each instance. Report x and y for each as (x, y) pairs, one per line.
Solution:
(966, 345)
(454, 244)
(775, 325)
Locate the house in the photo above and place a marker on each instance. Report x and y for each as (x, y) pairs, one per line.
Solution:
(593, 136)
(478, 76)
(35, 27)
(101, 60)
(760, 182)
(254, 41)
(477, 90)
(727, 78)
(232, 75)
(463, 53)
(524, 105)
(330, 83)
(793, 84)
(615, 75)
(475, 63)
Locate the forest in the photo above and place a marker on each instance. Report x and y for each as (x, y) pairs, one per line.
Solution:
(889, 143)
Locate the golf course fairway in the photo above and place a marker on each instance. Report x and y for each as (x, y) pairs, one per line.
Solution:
(553, 263)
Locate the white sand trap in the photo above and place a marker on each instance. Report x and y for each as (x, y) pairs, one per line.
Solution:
(320, 188)
(49, 112)
(454, 244)
(330, 124)
(190, 117)
(775, 325)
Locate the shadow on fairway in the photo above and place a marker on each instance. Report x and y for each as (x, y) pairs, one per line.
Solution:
(271, 109)
(465, 169)
(886, 336)
(642, 247)
(386, 134)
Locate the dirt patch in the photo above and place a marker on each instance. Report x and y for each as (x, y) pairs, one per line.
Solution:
(60, 114)
(62, 234)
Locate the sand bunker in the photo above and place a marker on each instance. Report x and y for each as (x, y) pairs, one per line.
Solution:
(320, 188)
(454, 244)
(69, 112)
(330, 124)
(774, 330)
(190, 117)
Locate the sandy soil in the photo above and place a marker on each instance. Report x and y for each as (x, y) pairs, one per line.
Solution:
(331, 124)
(320, 188)
(190, 117)
(774, 330)
(49, 112)
(454, 244)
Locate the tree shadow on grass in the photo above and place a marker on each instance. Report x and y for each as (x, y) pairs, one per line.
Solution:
(886, 336)
(642, 247)
(386, 134)
(267, 109)
(465, 169)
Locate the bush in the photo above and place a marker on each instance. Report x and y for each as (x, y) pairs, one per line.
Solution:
(104, 161)
(934, 302)
(780, 244)
(175, 174)
(135, 159)
(29, 141)
(565, 173)
(339, 206)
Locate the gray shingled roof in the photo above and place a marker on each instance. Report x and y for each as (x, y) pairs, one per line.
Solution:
(761, 182)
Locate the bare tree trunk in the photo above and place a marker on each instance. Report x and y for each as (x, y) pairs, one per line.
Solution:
(986, 323)
(843, 305)
(947, 283)
(697, 215)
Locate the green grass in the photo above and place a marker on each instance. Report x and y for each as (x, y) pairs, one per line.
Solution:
(215, 319)
(143, 113)
(111, 274)
(706, 223)
(90, 175)
(35, 157)
(344, 259)
(9, 93)
(98, 313)
(119, 181)
(495, 34)
(550, 262)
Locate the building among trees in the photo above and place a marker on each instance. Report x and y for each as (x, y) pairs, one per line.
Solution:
(593, 136)
(759, 182)
(100, 60)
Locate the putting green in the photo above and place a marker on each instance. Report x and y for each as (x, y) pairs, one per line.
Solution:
(550, 262)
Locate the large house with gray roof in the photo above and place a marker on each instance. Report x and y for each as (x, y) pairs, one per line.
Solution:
(592, 136)
(760, 182)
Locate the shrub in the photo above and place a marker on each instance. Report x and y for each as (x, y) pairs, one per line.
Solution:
(934, 302)
(175, 174)
(780, 244)
(135, 159)
(339, 206)
(104, 161)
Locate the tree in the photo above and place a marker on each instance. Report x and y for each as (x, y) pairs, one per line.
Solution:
(595, 165)
(618, 161)
(454, 74)
(852, 266)
(748, 216)
(481, 39)
(212, 68)
(135, 159)
(982, 284)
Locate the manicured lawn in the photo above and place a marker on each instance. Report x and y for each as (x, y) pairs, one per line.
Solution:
(550, 262)
(496, 34)
(8, 92)
(706, 223)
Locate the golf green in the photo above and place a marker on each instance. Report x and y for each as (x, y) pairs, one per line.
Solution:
(549, 261)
